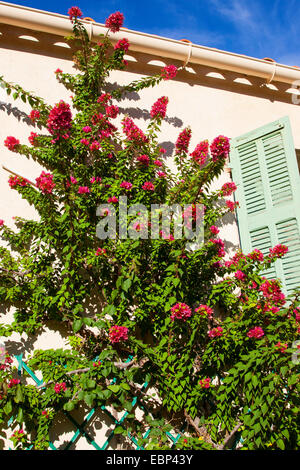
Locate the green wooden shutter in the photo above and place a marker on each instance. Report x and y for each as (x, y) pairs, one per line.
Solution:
(265, 170)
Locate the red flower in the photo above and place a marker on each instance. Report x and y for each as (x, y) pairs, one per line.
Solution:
(282, 347)
(104, 98)
(34, 115)
(240, 275)
(256, 255)
(205, 383)
(168, 72)
(118, 334)
(132, 131)
(122, 44)
(60, 387)
(256, 332)
(201, 152)
(278, 251)
(204, 311)
(180, 311)
(32, 138)
(144, 159)
(74, 12)
(60, 118)
(214, 230)
(183, 141)
(15, 181)
(148, 186)
(100, 251)
(11, 143)
(159, 108)
(231, 205)
(220, 147)
(215, 332)
(45, 183)
(228, 188)
(115, 21)
(112, 111)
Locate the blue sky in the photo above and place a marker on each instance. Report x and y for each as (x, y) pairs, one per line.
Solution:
(258, 28)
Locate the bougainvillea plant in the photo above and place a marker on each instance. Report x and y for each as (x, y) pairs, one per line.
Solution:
(210, 336)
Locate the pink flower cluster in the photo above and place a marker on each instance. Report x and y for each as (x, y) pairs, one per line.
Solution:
(126, 185)
(228, 188)
(205, 383)
(220, 244)
(132, 131)
(214, 230)
(60, 387)
(257, 332)
(256, 255)
(272, 291)
(220, 148)
(159, 108)
(100, 252)
(32, 138)
(45, 413)
(148, 186)
(112, 199)
(115, 21)
(144, 159)
(232, 205)
(59, 119)
(83, 190)
(112, 111)
(282, 347)
(158, 163)
(240, 275)
(122, 45)
(297, 314)
(45, 183)
(13, 382)
(215, 332)
(15, 181)
(7, 362)
(97, 364)
(180, 311)
(118, 334)
(18, 434)
(200, 153)
(183, 141)
(74, 12)
(278, 251)
(11, 143)
(34, 115)
(104, 98)
(204, 311)
(168, 72)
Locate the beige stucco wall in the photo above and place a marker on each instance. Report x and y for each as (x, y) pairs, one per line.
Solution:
(199, 97)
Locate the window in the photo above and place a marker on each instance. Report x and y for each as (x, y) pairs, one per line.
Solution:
(265, 170)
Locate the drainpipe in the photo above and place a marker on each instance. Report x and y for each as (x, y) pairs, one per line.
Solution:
(60, 25)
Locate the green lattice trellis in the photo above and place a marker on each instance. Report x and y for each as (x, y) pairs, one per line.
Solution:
(80, 427)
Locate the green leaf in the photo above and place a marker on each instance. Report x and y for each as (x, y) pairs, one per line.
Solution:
(119, 430)
(19, 395)
(280, 444)
(69, 406)
(77, 324)
(8, 408)
(114, 388)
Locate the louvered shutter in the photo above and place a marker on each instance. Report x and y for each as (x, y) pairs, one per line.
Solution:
(265, 170)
